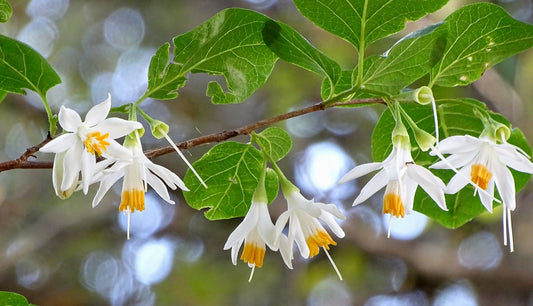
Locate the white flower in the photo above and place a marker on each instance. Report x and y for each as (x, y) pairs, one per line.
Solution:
(76, 148)
(486, 163)
(137, 172)
(304, 226)
(256, 230)
(402, 177)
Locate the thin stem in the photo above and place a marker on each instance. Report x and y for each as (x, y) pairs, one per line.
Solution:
(332, 263)
(51, 120)
(23, 163)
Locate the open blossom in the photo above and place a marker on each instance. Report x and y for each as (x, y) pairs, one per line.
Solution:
(137, 172)
(305, 229)
(485, 163)
(75, 150)
(402, 177)
(256, 230)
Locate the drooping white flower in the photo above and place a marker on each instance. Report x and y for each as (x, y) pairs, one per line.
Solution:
(137, 172)
(305, 229)
(485, 163)
(75, 150)
(256, 230)
(402, 177)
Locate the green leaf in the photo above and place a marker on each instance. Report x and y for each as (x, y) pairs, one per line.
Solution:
(5, 11)
(271, 185)
(456, 117)
(164, 80)
(231, 171)
(290, 46)
(12, 299)
(275, 142)
(479, 36)
(362, 22)
(344, 83)
(22, 67)
(3, 94)
(408, 60)
(229, 44)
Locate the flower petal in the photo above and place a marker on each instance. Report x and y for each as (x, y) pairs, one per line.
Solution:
(98, 113)
(459, 180)
(105, 184)
(88, 164)
(117, 127)
(431, 184)
(158, 186)
(69, 119)
(169, 177)
(286, 251)
(332, 224)
(376, 183)
(61, 143)
(505, 183)
(459, 144)
(487, 196)
(71, 166)
(359, 171)
(511, 158)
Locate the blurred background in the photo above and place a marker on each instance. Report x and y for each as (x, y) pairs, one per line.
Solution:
(58, 252)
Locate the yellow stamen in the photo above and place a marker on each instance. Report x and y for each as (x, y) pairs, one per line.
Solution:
(319, 239)
(95, 142)
(392, 204)
(480, 176)
(253, 254)
(132, 200)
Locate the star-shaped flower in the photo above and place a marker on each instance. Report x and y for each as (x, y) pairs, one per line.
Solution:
(486, 163)
(75, 150)
(256, 230)
(402, 177)
(137, 172)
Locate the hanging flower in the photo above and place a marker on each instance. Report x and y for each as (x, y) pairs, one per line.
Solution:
(485, 163)
(305, 229)
(401, 176)
(137, 172)
(76, 149)
(256, 230)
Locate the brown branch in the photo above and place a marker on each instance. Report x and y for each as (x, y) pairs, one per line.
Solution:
(23, 162)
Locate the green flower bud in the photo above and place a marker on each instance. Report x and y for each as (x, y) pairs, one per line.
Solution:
(422, 95)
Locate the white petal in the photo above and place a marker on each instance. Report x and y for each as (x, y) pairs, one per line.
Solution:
(376, 183)
(117, 127)
(286, 251)
(69, 119)
(456, 160)
(487, 198)
(459, 180)
(295, 227)
(511, 158)
(98, 113)
(410, 190)
(281, 223)
(332, 224)
(71, 166)
(330, 209)
(458, 144)
(265, 227)
(105, 184)
(158, 186)
(505, 183)
(359, 171)
(88, 164)
(61, 143)
(431, 184)
(170, 178)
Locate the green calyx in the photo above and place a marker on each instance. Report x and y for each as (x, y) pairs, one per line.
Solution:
(422, 95)
(493, 129)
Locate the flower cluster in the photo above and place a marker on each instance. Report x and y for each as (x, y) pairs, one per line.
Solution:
(483, 162)
(305, 229)
(87, 153)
